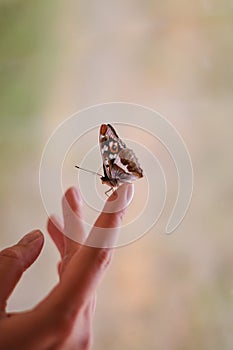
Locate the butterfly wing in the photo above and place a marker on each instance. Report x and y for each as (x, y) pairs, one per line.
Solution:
(128, 162)
(119, 162)
(110, 146)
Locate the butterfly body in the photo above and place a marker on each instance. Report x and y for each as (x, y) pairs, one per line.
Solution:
(120, 164)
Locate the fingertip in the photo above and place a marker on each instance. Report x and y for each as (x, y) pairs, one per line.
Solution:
(128, 190)
(112, 216)
(74, 198)
(75, 193)
(31, 237)
(120, 198)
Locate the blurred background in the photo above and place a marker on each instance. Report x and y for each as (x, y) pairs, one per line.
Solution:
(162, 292)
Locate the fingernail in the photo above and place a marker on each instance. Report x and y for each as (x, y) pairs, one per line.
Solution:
(30, 237)
(127, 190)
(129, 193)
(120, 199)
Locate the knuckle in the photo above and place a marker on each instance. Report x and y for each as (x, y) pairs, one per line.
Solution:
(118, 218)
(85, 342)
(12, 254)
(122, 213)
(103, 258)
(115, 219)
(59, 268)
(87, 312)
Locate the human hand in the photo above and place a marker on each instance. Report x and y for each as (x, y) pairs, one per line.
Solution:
(63, 320)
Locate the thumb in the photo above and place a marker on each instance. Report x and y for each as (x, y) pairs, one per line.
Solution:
(15, 260)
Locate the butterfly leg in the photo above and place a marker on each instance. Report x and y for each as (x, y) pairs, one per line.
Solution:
(107, 192)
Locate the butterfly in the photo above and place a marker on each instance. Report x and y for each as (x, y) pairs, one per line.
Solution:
(120, 164)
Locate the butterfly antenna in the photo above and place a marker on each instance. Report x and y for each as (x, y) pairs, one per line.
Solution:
(88, 171)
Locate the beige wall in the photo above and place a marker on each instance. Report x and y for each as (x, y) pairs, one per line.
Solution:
(162, 292)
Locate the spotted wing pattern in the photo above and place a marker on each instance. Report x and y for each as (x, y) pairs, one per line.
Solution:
(119, 162)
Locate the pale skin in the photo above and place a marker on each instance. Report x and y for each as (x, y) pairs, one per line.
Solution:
(63, 320)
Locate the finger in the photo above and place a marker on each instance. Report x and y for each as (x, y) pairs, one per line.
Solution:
(72, 212)
(55, 230)
(106, 228)
(73, 222)
(15, 260)
(87, 266)
(74, 229)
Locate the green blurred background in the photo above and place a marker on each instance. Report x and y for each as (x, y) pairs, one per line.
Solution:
(56, 57)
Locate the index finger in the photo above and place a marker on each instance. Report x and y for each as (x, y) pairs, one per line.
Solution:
(87, 266)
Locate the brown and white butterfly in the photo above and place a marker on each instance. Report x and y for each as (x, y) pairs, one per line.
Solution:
(120, 164)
